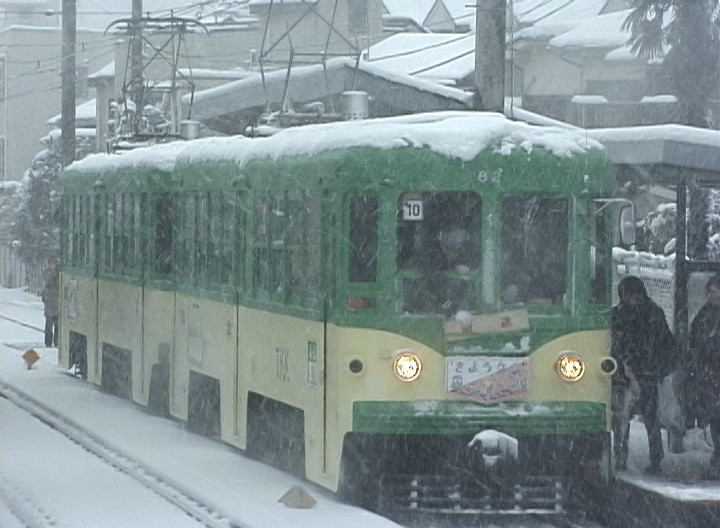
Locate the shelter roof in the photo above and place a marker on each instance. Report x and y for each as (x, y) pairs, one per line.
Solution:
(676, 147)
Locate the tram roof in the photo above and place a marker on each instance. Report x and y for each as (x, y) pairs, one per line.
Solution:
(461, 135)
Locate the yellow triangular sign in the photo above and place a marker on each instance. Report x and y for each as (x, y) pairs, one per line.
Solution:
(31, 357)
(297, 497)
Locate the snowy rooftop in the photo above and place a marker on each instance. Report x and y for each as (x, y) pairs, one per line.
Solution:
(414, 9)
(434, 56)
(602, 31)
(528, 12)
(460, 135)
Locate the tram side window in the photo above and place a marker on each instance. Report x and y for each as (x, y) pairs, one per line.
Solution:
(108, 220)
(131, 231)
(215, 239)
(303, 249)
(79, 231)
(278, 230)
(227, 237)
(164, 218)
(70, 224)
(202, 240)
(91, 233)
(535, 247)
(261, 253)
(363, 239)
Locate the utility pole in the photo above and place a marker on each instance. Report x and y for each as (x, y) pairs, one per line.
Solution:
(136, 60)
(490, 55)
(67, 127)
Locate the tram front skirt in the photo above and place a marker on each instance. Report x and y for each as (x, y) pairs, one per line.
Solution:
(449, 475)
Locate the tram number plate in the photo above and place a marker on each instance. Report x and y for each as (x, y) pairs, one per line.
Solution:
(487, 379)
(412, 210)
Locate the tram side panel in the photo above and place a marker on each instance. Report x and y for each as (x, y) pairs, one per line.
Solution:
(78, 325)
(158, 348)
(180, 364)
(282, 372)
(120, 339)
(203, 391)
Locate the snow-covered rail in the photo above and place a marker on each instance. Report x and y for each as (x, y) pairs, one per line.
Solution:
(173, 492)
(23, 508)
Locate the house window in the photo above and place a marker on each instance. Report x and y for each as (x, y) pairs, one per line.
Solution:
(357, 16)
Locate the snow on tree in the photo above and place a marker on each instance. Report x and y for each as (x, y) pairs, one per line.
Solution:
(658, 227)
(35, 228)
(713, 222)
(690, 44)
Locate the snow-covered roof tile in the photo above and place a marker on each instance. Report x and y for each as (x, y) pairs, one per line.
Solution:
(602, 31)
(417, 10)
(549, 11)
(435, 56)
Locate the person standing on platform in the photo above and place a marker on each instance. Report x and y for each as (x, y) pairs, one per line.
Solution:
(51, 302)
(644, 348)
(704, 379)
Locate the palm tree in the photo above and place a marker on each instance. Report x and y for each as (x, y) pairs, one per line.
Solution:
(690, 45)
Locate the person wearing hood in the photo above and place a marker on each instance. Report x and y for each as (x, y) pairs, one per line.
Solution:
(644, 348)
(705, 367)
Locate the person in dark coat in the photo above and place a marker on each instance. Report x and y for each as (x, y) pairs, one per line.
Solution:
(438, 293)
(705, 367)
(51, 302)
(644, 348)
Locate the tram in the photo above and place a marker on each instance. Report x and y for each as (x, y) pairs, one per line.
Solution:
(283, 294)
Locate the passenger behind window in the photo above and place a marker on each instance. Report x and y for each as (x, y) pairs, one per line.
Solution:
(437, 291)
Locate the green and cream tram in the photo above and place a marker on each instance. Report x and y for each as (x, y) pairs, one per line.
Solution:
(284, 294)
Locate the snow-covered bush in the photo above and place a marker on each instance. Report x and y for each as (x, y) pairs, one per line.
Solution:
(35, 227)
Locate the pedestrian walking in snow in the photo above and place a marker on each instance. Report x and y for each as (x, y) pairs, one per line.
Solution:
(644, 348)
(704, 379)
(51, 302)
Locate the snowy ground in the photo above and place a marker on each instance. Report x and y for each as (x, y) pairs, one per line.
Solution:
(684, 474)
(46, 472)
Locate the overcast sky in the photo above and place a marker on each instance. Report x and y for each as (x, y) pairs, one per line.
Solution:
(99, 13)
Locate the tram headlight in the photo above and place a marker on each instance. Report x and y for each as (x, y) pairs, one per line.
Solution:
(407, 366)
(570, 366)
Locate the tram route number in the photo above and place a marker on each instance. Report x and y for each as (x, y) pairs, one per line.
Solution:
(412, 210)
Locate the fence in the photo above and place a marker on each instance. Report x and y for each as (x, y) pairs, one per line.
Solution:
(14, 273)
(658, 274)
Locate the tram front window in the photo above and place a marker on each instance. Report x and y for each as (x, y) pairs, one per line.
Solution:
(535, 247)
(438, 251)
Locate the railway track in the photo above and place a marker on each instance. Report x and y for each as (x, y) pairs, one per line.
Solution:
(173, 492)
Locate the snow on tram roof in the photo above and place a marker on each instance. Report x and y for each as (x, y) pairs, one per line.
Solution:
(460, 135)
(161, 157)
